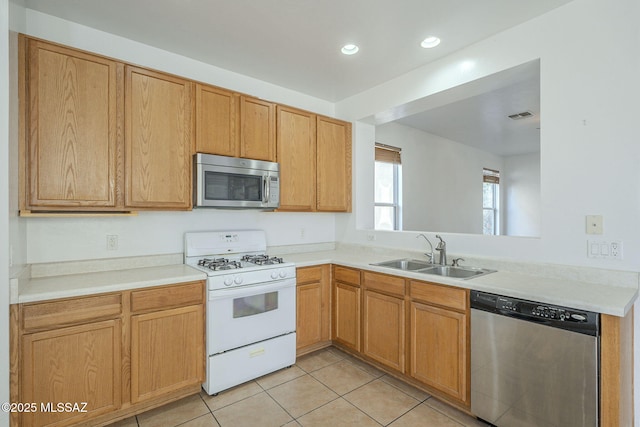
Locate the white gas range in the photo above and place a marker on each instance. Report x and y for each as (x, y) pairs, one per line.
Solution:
(251, 306)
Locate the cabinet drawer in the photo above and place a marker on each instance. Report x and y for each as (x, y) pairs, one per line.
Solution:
(308, 274)
(445, 296)
(167, 297)
(54, 314)
(384, 283)
(347, 275)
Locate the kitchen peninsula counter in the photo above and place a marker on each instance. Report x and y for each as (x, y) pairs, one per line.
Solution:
(602, 291)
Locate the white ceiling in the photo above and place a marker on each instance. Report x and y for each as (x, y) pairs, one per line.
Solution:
(478, 113)
(296, 43)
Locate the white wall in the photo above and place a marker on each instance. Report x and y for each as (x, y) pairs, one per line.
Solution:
(589, 148)
(441, 180)
(64, 239)
(521, 195)
(151, 233)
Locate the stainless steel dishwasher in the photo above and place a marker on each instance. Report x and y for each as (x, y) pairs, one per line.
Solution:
(533, 364)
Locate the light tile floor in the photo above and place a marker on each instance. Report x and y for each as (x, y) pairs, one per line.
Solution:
(325, 388)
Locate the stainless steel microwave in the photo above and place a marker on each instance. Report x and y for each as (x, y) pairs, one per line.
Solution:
(231, 182)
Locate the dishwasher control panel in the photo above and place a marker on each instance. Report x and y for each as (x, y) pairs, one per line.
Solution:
(556, 316)
(543, 311)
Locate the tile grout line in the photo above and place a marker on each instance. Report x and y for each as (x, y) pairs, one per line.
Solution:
(341, 357)
(210, 411)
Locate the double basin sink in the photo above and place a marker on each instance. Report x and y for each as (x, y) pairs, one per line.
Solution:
(418, 266)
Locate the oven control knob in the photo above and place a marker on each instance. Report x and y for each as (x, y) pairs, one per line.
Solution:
(283, 274)
(274, 274)
(228, 281)
(237, 280)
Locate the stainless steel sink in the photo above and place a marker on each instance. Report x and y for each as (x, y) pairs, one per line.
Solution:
(418, 266)
(405, 264)
(457, 272)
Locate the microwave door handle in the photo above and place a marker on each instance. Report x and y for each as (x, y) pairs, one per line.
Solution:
(265, 189)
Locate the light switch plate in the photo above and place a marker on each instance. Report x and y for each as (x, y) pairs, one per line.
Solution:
(594, 224)
(607, 249)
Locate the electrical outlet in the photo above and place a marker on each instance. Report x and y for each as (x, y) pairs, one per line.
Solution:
(371, 237)
(615, 251)
(302, 233)
(112, 242)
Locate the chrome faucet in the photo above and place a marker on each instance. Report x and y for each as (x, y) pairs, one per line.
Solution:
(429, 255)
(442, 248)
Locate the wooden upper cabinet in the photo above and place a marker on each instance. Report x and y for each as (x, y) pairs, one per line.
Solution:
(333, 164)
(257, 129)
(157, 140)
(297, 158)
(216, 121)
(73, 146)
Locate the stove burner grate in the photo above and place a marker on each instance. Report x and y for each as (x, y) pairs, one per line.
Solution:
(262, 259)
(217, 264)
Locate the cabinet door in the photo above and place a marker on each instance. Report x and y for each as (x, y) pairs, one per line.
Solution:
(257, 129)
(383, 329)
(158, 140)
(76, 364)
(296, 144)
(167, 351)
(346, 315)
(216, 121)
(313, 308)
(439, 340)
(333, 165)
(73, 144)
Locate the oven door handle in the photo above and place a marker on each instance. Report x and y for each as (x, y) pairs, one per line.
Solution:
(244, 291)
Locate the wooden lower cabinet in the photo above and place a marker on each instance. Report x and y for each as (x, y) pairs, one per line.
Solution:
(313, 322)
(439, 337)
(383, 324)
(383, 329)
(438, 349)
(79, 364)
(346, 307)
(415, 330)
(122, 353)
(166, 351)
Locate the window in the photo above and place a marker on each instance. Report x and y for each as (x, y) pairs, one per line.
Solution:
(387, 188)
(490, 201)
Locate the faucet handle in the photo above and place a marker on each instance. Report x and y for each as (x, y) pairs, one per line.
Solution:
(456, 262)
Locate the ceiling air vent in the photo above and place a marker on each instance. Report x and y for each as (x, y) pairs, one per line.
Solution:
(522, 115)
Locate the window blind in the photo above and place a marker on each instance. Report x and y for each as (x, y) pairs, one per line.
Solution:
(490, 176)
(388, 154)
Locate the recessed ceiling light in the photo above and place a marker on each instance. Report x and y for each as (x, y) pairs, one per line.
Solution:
(429, 42)
(349, 49)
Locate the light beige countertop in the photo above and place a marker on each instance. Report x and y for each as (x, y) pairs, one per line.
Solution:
(571, 287)
(81, 284)
(604, 291)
